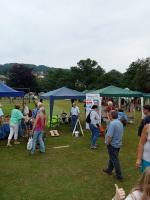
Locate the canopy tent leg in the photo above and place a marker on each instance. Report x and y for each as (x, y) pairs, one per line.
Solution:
(51, 109)
(23, 103)
(142, 104)
(119, 102)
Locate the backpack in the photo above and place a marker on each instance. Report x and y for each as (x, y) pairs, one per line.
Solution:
(88, 119)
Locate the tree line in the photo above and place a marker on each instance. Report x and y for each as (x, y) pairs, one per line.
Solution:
(86, 75)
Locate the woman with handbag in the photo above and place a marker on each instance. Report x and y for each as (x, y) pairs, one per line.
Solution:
(95, 120)
(37, 130)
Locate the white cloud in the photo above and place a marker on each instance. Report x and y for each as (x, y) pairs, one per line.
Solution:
(59, 33)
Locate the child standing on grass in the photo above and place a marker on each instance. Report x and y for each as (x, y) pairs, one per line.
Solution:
(37, 130)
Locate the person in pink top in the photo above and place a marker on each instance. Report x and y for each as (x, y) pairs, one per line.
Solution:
(37, 130)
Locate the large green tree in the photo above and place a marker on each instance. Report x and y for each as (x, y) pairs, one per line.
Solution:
(137, 76)
(58, 78)
(113, 77)
(87, 74)
(22, 77)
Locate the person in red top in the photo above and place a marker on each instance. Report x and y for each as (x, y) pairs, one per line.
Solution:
(37, 130)
(109, 108)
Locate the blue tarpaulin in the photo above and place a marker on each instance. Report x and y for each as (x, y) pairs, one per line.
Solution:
(61, 93)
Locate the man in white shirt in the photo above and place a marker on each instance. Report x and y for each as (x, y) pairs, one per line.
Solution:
(74, 115)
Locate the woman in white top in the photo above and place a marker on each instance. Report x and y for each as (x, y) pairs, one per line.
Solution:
(95, 120)
(140, 192)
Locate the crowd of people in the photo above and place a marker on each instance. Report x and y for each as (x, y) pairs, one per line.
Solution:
(115, 120)
(34, 122)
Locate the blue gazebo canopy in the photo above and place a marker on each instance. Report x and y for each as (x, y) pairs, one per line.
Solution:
(6, 91)
(61, 93)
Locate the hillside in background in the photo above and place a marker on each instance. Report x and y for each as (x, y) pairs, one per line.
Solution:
(86, 75)
(4, 69)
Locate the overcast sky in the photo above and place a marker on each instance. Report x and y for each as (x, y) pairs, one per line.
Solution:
(59, 33)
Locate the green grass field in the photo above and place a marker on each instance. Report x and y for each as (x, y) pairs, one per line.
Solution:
(73, 173)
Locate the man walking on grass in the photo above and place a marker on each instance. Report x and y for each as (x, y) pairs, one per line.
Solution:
(113, 140)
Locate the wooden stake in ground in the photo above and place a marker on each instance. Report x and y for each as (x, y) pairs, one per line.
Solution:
(59, 147)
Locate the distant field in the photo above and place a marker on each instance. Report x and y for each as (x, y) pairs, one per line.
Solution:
(73, 173)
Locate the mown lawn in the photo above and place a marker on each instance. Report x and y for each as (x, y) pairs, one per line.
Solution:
(73, 173)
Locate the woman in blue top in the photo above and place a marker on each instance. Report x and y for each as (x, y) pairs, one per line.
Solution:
(15, 119)
(94, 125)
